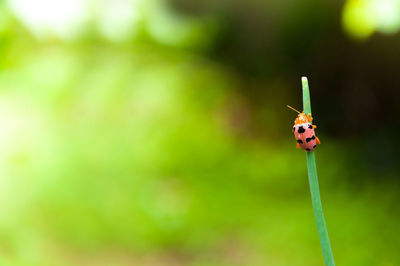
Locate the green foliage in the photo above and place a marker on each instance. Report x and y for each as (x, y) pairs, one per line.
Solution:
(140, 153)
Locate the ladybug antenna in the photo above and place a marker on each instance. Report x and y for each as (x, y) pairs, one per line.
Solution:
(293, 109)
(305, 106)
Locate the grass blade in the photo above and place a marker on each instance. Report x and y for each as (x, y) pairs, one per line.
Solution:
(314, 188)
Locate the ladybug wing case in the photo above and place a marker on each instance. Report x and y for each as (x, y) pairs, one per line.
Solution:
(305, 136)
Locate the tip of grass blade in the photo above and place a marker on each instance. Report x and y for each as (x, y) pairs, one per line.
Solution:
(306, 95)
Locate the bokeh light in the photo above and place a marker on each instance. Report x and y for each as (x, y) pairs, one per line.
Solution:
(46, 18)
(361, 18)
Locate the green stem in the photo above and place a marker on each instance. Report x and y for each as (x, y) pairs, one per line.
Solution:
(314, 188)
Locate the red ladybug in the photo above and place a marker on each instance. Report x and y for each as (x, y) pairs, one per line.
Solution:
(304, 132)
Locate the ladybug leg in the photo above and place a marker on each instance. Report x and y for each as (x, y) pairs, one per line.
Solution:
(317, 139)
(297, 145)
(314, 126)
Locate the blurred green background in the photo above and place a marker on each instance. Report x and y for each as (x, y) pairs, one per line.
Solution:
(150, 132)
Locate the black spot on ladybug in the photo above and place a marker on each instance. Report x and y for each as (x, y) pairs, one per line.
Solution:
(314, 146)
(300, 141)
(307, 149)
(310, 126)
(301, 129)
(309, 139)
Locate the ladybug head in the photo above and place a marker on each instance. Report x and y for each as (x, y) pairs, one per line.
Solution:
(302, 118)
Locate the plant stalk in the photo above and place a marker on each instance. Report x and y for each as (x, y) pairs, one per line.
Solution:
(314, 188)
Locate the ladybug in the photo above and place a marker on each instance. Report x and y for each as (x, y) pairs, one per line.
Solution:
(304, 132)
